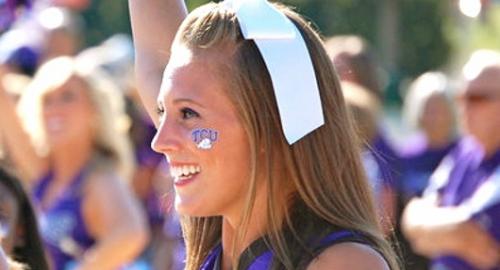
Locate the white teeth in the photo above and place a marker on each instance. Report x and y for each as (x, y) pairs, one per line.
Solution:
(194, 169)
(174, 171)
(184, 170)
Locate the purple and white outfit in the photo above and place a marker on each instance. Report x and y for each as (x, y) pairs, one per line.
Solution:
(418, 162)
(62, 226)
(469, 181)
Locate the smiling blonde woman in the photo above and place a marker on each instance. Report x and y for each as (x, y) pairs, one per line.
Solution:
(74, 154)
(252, 200)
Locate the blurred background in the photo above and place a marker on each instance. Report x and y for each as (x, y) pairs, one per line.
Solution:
(408, 36)
(405, 111)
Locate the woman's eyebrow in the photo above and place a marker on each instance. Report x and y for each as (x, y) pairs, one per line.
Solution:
(188, 100)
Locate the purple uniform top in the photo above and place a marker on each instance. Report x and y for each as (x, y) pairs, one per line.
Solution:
(468, 180)
(418, 162)
(310, 236)
(387, 160)
(61, 224)
(261, 257)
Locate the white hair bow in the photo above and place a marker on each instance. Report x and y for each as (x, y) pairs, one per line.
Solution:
(288, 62)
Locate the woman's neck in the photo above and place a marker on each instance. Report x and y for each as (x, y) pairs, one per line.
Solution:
(231, 245)
(66, 161)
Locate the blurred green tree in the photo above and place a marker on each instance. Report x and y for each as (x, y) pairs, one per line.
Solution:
(103, 19)
(423, 44)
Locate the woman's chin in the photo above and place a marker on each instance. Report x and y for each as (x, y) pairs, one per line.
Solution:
(191, 209)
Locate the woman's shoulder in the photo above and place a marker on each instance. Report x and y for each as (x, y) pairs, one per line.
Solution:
(102, 169)
(348, 255)
(104, 180)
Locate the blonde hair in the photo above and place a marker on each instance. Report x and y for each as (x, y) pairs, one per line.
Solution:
(364, 108)
(323, 170)
(421, 90)
(111, 138)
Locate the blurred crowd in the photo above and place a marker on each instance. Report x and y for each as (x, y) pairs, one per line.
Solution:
(80, 187)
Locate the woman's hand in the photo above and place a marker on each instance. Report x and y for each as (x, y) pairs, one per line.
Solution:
(17, 141)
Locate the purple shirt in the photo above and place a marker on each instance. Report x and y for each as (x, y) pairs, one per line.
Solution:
(387, 159)
(468, 180)
(418, 162)
(62, 227)
(261, 257)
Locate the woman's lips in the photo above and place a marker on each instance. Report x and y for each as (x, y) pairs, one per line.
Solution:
(184, 174)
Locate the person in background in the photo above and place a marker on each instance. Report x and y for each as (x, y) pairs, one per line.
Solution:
(355, 61)
(70, 144)
(429, 111)
(115, 57)
(18, 226)
(456, 223)
(62, 30)
(14, 85)
(43, 33)
(364, 107)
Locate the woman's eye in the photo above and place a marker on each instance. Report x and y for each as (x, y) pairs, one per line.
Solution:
(160, 111)
(188, 113)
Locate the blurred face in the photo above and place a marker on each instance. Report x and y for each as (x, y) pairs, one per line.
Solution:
(8, 218)
(437, 118)
(208, 181)
(68, 114)
(343, 68)
(480, 104)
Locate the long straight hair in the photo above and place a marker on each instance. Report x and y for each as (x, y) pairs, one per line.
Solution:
(30, 252)
(322, 170)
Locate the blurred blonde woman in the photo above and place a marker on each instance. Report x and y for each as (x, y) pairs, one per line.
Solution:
(72, 148)
(250, 199)
(365, 108)
(430, 113)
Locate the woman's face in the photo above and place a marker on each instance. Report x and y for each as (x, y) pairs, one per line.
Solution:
(208, 182)
(68, 113)
(9, 209)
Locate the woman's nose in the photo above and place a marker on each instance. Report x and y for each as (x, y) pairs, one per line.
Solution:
(167, 138)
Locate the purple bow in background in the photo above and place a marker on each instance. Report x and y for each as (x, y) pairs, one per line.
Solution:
(8, 12)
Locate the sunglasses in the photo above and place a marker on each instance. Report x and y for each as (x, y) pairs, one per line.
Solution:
(477, 97)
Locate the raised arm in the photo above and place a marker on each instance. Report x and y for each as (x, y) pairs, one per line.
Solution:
(17, 142)
(114, 217)
(154, 24)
